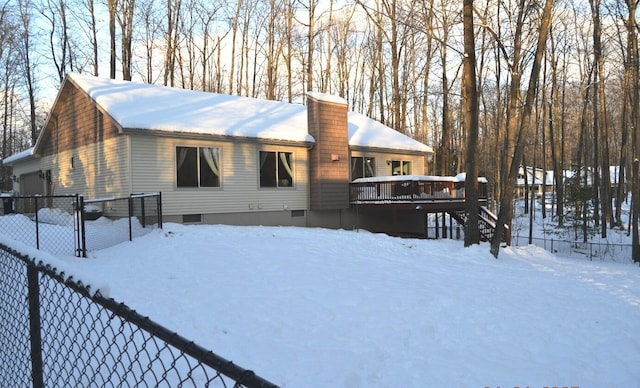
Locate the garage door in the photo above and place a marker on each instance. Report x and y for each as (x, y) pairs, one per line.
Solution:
(31, 184)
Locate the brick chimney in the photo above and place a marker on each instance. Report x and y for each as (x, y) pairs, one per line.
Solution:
(329, 157)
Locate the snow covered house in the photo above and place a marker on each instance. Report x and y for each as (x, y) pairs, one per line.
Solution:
(535, 178)
(215, 158)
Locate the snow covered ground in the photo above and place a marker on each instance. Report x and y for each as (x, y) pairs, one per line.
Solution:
(306, 307)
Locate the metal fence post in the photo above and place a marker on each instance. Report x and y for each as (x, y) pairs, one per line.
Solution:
(83, 234)
(142, 212)
(35, 199)
(159, 209)
(130, 215)
(34, 325)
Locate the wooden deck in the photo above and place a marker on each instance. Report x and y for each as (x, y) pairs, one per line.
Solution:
(427, 194)
(430, 192)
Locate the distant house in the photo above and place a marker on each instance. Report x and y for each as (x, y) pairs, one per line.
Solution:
(215, 158)
(534, 178)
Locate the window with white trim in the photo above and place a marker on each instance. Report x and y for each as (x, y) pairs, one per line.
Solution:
(276, 169)
(400, 167)
(362, 167)
(197, 167)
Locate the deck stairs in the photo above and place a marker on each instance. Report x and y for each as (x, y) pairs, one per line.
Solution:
(486, 221)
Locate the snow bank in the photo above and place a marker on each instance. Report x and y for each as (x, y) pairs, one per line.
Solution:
(319, 308)
(75, 272)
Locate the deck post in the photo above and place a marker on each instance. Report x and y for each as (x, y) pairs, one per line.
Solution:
(450, 226)
(426, 225)
(444, 225)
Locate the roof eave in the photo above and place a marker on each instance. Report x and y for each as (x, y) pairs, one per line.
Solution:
(215, 137)
(390, 150)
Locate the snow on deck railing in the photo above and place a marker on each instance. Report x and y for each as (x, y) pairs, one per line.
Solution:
(411, 188)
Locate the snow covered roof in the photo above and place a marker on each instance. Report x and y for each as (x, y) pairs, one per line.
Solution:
(151, 107)
(365, 132)
(327, 98)
(9, 160)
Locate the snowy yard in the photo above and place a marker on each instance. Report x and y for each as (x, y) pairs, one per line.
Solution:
(309, 307)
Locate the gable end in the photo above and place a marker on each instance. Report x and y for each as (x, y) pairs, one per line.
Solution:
(74, 121)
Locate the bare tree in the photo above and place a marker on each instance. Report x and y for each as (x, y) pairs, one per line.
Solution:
(471, 105)
(274, 47)
(125, 19)
(90, 4)
(112, 6)
(445, 153)
(311, 8)
(234, 33)
(634, 93)
(601, 132)
(506, 207)
(326, 77)
(55, 12)
(150, 19)
(554, 133)
(8, 40)
(25, 8)
(173, 10)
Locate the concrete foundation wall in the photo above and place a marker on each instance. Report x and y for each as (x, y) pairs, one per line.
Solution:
(394, 222)
(271, 218)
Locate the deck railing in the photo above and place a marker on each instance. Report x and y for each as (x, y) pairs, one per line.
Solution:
(410, 189)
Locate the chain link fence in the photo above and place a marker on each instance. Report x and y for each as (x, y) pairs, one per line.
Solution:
(590, 250)
(50, 223)
(73, 225)
(55, 331)
(449, 228)
(110, 221)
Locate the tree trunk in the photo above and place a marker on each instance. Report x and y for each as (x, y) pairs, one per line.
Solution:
(506, 206)
(112, 5)
(234, 32)
(310, 44)
(471, 104)
(632, 52)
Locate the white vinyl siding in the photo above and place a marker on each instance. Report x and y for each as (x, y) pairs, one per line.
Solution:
(154, 169)
(95, 170)
(383, 161)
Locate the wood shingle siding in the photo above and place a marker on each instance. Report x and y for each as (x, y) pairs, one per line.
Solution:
(329, 158)
(75, 122)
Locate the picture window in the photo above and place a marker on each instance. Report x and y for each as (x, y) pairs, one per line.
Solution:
(276, 169)
(198, 167)
(362, 167)
(400, 167)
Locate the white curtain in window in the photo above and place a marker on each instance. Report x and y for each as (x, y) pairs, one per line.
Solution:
(182, 155)
(406, 168)
(263, 158)
(369, 164)
(286, 162)
(212, 158)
